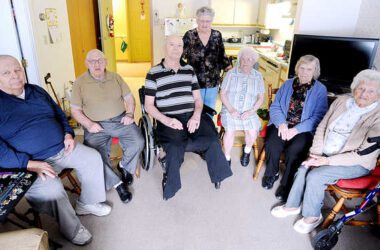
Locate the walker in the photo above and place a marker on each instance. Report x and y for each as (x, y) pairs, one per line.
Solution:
(327, 238)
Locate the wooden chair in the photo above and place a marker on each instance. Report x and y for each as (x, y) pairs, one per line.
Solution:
(261, 159)
(75, 186)
(354, 188)
(115, 141)
(236, 144)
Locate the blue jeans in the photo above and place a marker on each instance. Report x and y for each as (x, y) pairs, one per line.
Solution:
(311, 184)
(209, 96)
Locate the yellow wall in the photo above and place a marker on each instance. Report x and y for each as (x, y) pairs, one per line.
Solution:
(139, 32)
(121, 28)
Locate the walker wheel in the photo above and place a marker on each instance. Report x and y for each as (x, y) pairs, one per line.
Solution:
(325, 240)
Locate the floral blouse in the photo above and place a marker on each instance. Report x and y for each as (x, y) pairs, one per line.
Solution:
(297, 102)
(207, 61)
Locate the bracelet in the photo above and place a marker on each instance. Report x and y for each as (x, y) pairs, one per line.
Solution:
(130, 115)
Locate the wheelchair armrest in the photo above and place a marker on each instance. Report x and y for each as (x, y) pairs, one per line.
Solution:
(206, 109)
(142, 95)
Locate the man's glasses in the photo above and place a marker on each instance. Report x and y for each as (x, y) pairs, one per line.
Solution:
(99, 61)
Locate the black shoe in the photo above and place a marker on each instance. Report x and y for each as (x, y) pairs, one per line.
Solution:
(217, 185)
(124, 194)
(164, 181)
(244, 159)
(282, 193)
(126, 177)
(268, 181)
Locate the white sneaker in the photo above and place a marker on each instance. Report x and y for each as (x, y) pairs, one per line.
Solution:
(98, 209)
(280, 212)
(304, 228)
(83, 237)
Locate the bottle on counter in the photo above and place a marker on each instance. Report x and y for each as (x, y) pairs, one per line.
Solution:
(257, 37)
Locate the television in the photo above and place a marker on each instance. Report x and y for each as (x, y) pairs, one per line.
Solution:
(341, 58)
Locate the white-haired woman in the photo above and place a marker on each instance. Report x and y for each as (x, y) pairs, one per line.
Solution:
(242, 94)
(299, 106)
(204, 50)
(334, 155)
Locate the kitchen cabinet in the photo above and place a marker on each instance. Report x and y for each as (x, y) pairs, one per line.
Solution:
(224, 11)
(283, 75)
(235, 12)
(275, 15)
(262, 12)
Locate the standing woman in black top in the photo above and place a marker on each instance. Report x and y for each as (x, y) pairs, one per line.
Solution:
(204, 50)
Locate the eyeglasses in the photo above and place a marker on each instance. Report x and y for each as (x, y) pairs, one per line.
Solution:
(246, 59)
(99, 61)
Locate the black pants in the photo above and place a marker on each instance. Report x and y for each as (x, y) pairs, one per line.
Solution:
(177, 142)
(296, 151)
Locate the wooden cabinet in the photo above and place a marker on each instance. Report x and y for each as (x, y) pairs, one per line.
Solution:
(235, 12)
(283, 75)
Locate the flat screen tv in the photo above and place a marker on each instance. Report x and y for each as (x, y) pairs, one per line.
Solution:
(341, 58)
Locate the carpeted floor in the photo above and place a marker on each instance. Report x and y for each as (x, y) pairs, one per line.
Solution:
(200, 217)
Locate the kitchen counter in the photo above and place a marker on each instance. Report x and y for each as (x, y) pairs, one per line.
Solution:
(264, 51)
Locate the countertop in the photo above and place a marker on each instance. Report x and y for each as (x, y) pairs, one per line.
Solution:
(264, 51)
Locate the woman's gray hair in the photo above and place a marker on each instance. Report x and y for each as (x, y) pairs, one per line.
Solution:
(309, 59)
(205, 11)
(249, 52)
(366, 75)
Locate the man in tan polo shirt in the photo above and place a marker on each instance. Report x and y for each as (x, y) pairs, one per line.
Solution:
(104, 105)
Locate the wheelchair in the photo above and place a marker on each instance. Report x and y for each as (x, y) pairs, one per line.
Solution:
(152, 149)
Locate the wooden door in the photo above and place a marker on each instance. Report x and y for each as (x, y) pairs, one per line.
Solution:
(139, 32)
(84, 30)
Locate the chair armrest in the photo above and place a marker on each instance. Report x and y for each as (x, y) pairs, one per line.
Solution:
(206, 109)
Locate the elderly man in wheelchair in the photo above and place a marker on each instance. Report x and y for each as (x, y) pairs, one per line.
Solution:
(173, 99)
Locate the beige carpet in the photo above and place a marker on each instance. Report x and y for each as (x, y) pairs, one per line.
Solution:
(199, 217)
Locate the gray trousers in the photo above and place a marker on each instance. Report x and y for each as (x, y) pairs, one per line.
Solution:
(130, 140)
(50, 197)
(311, 185)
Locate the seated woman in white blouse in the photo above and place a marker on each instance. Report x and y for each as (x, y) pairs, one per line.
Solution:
(242, 94)
(334, 154)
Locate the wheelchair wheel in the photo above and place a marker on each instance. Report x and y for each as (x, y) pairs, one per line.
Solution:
(325, 240)
(147, 154)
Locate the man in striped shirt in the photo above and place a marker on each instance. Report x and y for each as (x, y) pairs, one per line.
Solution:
(173, 98)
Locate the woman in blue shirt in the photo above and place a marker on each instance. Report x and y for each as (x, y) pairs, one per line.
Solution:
(299, 106)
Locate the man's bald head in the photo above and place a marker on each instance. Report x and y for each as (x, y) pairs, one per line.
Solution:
(7, 57)
(95, 53)
(96, 63)
(173, 47)
(12, 77)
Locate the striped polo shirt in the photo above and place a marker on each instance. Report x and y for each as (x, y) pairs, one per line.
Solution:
(172, 90)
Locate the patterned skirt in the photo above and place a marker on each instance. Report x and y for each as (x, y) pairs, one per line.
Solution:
(230, 123)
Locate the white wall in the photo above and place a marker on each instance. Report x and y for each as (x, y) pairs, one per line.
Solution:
(56, 57)
(352, 18)
(164, 9)
(8, 42)
(327, 17)
(41, 55)
(369, 24)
